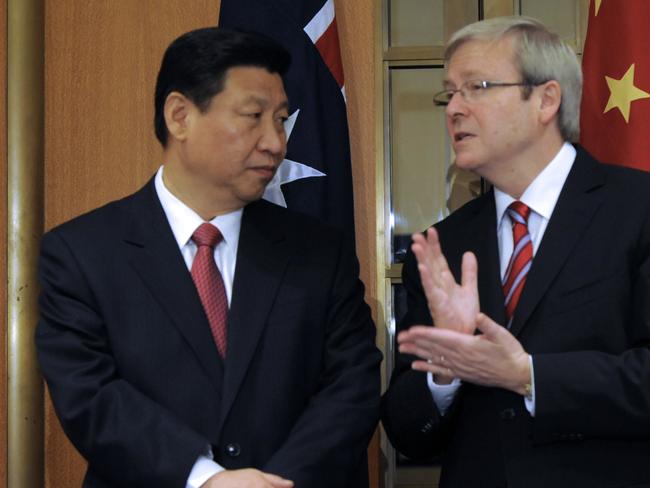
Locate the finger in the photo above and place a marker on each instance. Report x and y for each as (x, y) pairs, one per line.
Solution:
(422, 330)
(429, 352)
(277, 481)
(427, 263)
(469, 271)
(433, 241)
(491, 330)
(435, 369)
(425, 353)
(428, 251)
(435, 335)
(422, 335)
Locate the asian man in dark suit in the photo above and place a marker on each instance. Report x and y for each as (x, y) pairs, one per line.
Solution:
(244, 361)
(536, 372)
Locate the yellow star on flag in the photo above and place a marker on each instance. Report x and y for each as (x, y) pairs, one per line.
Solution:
(623, 92)
(598, 2)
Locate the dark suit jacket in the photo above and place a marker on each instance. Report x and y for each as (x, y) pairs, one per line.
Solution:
(134, 373)
(584, 315)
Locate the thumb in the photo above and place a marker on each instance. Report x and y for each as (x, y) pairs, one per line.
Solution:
(490, 329)
(278, 481)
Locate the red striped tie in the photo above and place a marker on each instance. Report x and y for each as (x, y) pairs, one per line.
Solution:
(521, 259)
(209, 284)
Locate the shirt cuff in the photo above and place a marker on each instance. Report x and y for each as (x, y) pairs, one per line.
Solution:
(530, 402)
(443, 395)
(204, 468)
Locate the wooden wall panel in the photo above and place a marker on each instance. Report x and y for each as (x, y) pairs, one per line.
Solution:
(101, 62)
(356, 23)
(3, 238)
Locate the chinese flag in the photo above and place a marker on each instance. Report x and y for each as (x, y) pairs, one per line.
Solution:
(615, 112)
(316, 176)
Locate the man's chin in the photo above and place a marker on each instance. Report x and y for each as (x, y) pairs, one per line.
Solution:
(253, 196)
(467, 162)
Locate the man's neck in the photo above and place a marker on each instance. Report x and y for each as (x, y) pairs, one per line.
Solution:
(196, 196)
(513, 178)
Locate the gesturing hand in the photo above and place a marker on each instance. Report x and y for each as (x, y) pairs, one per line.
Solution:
(493, 358)
(452, 306)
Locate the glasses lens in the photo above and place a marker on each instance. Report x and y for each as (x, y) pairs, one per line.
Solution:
(443, 97)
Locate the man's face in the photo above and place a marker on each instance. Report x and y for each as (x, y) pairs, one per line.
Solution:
(237, 144)
(492, 132)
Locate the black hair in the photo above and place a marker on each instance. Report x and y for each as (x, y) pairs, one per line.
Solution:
(196, 63)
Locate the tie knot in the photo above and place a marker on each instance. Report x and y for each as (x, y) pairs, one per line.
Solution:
(519, 212)
(207, 235)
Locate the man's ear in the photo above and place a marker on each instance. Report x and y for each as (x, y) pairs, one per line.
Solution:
(550, 98)
(177, 112)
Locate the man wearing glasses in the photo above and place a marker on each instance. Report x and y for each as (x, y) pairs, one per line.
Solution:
(537, 371)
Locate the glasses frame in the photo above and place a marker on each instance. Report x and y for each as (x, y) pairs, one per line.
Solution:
(439, 97)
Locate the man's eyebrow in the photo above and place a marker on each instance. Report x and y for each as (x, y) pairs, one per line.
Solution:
(284, 105)
(263, 102)
(466, 76)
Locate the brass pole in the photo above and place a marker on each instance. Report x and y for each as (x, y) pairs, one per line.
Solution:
(25, 136)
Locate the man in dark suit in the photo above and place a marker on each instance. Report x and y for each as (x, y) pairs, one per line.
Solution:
(537, 371)
(262, 372)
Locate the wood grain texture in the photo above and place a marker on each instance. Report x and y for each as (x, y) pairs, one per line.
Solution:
(101, 62)
(3, 238)
(356, 23)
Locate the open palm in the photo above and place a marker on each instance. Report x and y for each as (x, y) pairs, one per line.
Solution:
(452, 305)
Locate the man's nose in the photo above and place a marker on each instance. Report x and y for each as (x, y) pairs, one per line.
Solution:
(456, 104)
(274, 139)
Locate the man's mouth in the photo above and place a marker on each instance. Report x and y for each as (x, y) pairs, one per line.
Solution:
(460, 136)
(265, 171)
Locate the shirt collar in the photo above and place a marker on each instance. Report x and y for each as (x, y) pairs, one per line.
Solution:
(184, 221)
(543, 192)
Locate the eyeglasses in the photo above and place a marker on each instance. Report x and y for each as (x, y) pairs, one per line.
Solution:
(473, 90)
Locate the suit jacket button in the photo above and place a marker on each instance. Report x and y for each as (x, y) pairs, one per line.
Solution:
(233, 449)
(507, 414)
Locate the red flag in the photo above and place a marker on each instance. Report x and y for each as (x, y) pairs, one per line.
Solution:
(615, 111)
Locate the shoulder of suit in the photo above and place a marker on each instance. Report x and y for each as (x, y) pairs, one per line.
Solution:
(612, 170)
(104, 218)
(467, 211)
(287, 218)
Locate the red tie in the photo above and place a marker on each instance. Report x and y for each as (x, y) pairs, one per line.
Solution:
(521, 259)
(209, 284)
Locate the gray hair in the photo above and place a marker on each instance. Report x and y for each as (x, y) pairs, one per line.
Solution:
(540, 56)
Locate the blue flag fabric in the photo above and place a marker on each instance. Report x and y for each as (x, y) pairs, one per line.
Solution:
(315, 177)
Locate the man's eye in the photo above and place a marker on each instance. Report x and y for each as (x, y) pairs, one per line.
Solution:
(475, 86)
(254, 115)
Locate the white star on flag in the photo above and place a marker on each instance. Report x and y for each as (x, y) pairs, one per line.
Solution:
(288, 171)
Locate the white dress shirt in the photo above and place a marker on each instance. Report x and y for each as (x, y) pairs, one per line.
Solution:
(541, 196)
(183, 222)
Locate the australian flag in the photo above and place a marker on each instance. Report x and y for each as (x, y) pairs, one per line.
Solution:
(315, 177)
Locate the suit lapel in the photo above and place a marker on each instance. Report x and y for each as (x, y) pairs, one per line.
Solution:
(483, 241)
(262, 257)
(155, 256)
(573, 212)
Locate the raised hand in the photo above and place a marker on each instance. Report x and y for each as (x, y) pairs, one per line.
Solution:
(452, 306)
